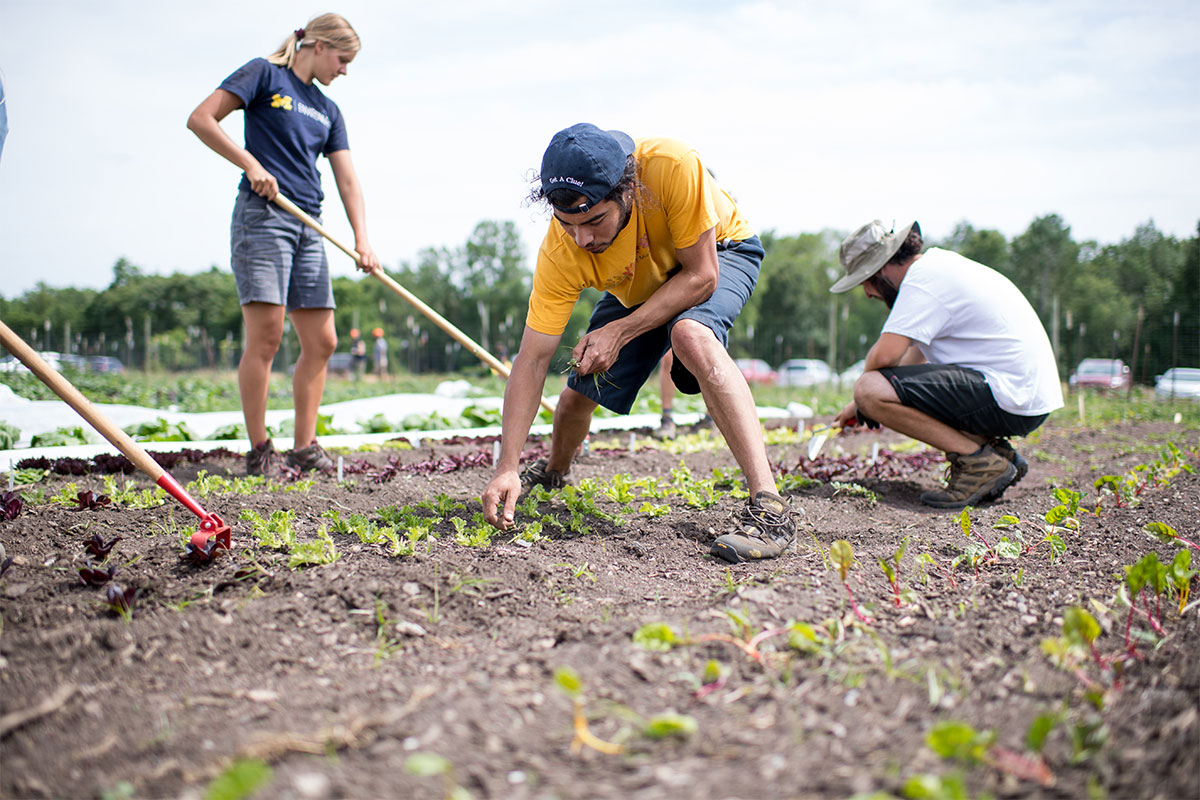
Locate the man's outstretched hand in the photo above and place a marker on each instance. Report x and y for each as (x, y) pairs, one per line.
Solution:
(500, 499)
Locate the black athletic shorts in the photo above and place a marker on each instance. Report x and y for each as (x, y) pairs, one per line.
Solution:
(958, 396)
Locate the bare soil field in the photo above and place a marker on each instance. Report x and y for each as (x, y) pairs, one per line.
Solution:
(599, 650)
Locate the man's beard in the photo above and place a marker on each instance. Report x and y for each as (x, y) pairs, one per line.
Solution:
(626, 213)
(886, 289)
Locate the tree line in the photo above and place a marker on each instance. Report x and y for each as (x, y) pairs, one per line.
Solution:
(1138, 300)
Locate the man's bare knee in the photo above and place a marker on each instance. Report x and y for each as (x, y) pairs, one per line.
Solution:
(574, 404)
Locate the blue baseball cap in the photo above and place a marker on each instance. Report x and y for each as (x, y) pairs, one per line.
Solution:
(587, 160)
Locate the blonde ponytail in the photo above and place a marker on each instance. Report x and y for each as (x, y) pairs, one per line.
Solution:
(333, 29)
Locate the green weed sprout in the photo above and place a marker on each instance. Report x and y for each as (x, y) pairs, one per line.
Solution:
(429, 765)
(660, 636)
(854, 490)
(1181, 573)
(568, 680)
(842, 556)
(241, 779)
(959, 741)
(661, 726)
(892, 570)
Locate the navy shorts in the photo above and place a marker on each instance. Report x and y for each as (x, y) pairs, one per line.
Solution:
(277, 259)
(616, 389)
(959, 397)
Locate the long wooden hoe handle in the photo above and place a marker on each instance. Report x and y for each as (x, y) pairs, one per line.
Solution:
(210, 524)
(443, 323)
(75, 399)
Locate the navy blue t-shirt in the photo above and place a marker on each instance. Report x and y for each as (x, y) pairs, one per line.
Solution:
(288, 124)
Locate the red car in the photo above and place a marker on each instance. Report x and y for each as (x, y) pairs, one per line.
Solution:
(1101, 373)
(755, 370)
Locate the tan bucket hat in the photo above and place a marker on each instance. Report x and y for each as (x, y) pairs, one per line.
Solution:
(864, 252)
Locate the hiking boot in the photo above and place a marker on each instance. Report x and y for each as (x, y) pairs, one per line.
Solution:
(982, 475)
(764, 530)
(666, 429)
(264, 459)
(539, 474)
(309, 458)
(1005, 449)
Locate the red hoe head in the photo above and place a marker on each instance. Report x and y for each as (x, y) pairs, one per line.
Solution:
(213, 528)
(214, 534)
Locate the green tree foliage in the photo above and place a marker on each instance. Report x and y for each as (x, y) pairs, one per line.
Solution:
(1082, 291)
(1043, 259)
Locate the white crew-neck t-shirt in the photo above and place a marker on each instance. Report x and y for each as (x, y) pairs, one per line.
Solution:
(960, 312)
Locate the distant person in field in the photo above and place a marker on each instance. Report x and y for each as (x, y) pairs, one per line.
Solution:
(645, 223)
(358, 354)
(381, 354)
(962, 364)
(280, 263)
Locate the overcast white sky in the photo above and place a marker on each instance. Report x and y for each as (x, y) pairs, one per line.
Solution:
(815, 114)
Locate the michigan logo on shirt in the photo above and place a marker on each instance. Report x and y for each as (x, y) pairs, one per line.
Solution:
(281, 101)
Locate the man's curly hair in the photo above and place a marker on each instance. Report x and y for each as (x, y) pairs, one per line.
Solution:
(911, 247)
(568, 197)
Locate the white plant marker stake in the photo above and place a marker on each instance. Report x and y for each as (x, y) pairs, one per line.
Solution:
(495, 452)
(10, 471)
(340, 461)
(874, 452)
(632, 442)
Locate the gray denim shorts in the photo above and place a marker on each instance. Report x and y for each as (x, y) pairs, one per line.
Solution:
(277, 259)
(616, 390)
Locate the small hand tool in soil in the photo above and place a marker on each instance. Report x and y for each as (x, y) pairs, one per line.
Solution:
(213, 535)
(819, 436)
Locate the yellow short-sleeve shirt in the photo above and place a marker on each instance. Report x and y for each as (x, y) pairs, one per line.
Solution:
(681, 202)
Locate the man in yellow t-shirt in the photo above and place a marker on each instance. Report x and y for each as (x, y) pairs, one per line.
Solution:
(648, 225)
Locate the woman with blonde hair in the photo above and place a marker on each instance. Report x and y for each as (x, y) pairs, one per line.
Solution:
(279, 263)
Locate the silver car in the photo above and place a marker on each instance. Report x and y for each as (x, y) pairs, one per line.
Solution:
(1178, 382)
(804, 372)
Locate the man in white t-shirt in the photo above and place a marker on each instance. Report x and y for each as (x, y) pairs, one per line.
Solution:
(963, 361)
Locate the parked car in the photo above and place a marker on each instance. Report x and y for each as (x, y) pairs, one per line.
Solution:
(105, 364)
(804, 372)
(755, 370)
(852, 373)
(1178, 382)
(1101, 373)
(11, 364)
(339, 363)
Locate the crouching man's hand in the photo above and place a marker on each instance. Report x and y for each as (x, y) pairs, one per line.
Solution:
(500, 499)
(847, 417)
